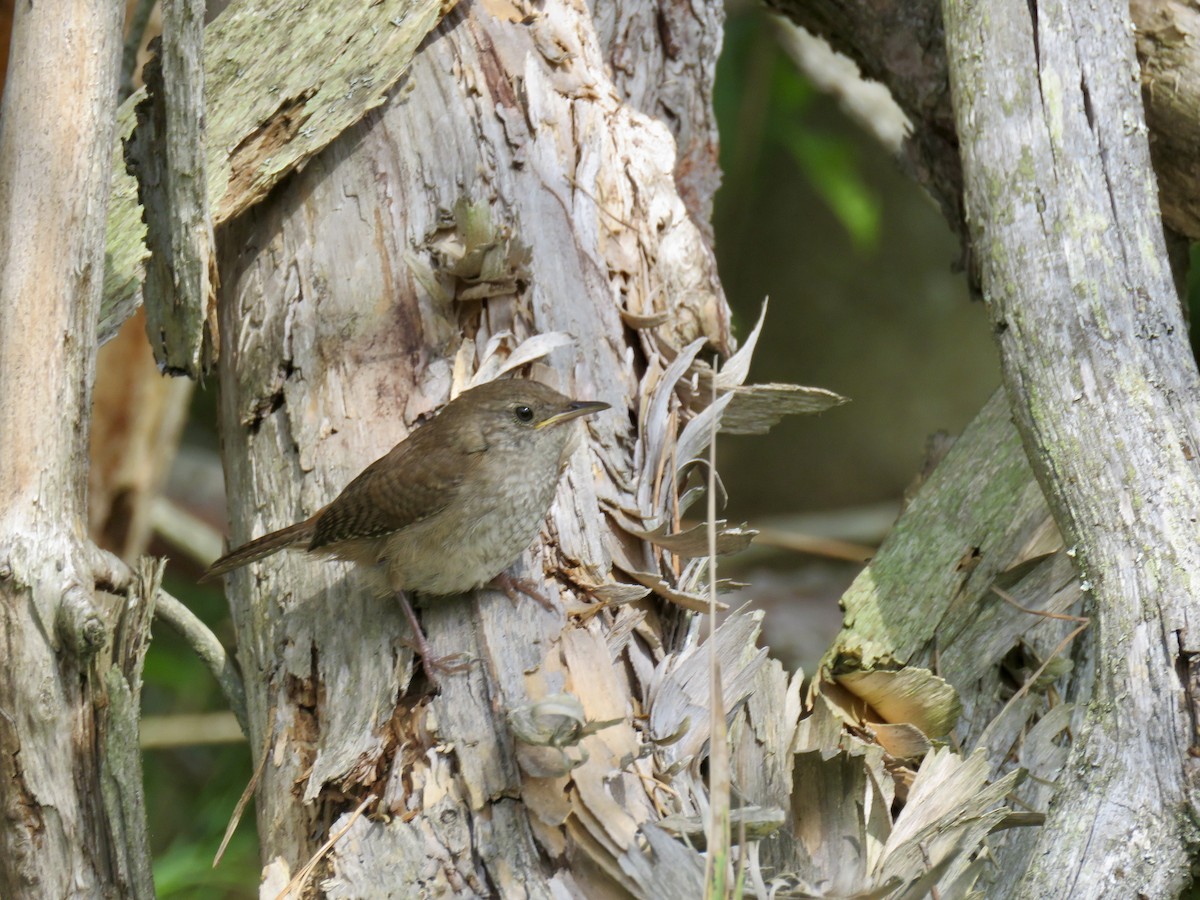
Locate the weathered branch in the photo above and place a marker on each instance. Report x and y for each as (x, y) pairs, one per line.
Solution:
(120, 748)
(1169, 53)
(1064, 218)
(929, 598)
(72, 821)
(209, 650)
(966, 526)
(167, 155)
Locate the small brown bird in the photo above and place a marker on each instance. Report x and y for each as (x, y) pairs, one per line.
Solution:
(450, 507)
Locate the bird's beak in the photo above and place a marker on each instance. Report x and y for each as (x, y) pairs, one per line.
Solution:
(574, 410)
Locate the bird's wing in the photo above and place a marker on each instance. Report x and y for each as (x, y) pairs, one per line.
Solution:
(411, 483)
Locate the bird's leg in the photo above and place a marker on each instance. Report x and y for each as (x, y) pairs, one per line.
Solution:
(430, 663)
(513, 586)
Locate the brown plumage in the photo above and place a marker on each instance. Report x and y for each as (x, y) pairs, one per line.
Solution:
(298, 535)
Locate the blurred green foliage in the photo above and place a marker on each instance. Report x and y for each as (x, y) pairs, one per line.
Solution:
(764, 104)
(868, 305)
(191, 792)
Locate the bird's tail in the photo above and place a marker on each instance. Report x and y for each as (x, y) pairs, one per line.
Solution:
(298, 535)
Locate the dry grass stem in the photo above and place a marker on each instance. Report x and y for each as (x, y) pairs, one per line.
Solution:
(240, 807)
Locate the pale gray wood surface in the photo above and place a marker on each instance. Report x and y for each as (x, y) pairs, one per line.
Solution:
(508, 188)
(1064, 218)
(72, 822)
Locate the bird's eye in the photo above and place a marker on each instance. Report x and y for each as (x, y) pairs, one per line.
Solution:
(523, 413)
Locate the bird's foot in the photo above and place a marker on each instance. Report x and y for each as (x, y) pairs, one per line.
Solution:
(433, 665)
(436, 666)
(513, 586)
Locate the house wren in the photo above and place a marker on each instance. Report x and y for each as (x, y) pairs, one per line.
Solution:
(450, 507)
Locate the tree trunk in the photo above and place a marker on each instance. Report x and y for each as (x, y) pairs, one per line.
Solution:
(73, 823)
(1063, 210)
(510, 188)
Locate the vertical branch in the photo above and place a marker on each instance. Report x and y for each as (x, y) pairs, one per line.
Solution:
(54, 172)
(54, 186)
(1065, 223)
(167, 155)
(120, 751)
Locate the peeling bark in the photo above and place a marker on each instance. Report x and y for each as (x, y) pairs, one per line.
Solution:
(167, 154)
(509, 189)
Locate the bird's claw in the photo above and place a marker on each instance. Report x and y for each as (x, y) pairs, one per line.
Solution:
(436, 666)
(430, 663)
(512, 586)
